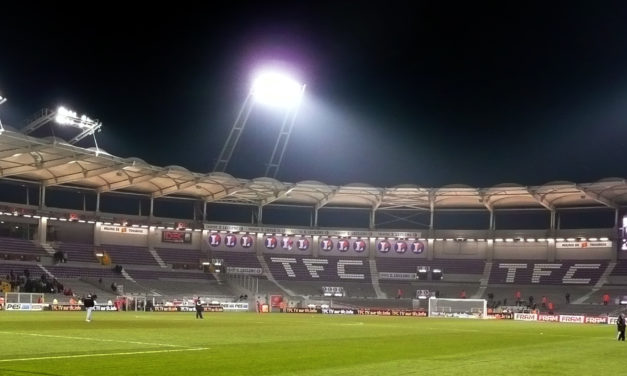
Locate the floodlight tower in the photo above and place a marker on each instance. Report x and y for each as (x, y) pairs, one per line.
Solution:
(2, 100)
(270, 89)
(62, 116)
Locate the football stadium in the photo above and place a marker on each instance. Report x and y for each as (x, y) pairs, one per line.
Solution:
(79, 224)
(119, 255)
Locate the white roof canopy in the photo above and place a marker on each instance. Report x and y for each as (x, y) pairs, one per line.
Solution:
(53, 162)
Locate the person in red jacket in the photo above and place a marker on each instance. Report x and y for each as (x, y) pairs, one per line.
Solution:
(606, 299)
(462, 295)
(551, 308)
(517, 295)
(544, 301)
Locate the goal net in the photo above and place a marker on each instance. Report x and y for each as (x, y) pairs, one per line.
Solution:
(463, 308)
(20, 301)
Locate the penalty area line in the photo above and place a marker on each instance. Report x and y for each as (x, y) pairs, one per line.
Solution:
(102, 354)
(93, 339)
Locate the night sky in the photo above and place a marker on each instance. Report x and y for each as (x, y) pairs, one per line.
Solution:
(432, 93)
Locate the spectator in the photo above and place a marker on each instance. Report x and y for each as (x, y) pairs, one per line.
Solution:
(530, 300)
(399, 294)
(567, 296)
(462, 295)
(551, 306)
(544, 301)
(606, 299)
(517, 295)
(114, 287)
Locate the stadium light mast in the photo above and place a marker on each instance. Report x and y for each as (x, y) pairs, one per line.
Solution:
(65, 117)
(2, 100)
(272, 89)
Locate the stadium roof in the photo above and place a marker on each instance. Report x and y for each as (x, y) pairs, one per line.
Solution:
(53, 162)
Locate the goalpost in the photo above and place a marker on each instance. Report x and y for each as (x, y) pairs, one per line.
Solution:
(23, 301)
(462, 308)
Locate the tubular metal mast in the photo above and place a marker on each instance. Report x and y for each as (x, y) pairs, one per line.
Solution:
(272, 168)
(234, 135)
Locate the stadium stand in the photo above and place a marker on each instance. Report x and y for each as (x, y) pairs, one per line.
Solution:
(569, 272)
(20, 246)
(189, 257)
(129, 255)
(76, 252)
(237, 259)
(332, 269)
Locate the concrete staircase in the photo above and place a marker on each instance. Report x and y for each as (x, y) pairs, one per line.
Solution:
(157, 258)
(48, 248)
(128, 276)
(483, 282)
(374, 276)
(487, 270)
(43, 268)
(602, 280)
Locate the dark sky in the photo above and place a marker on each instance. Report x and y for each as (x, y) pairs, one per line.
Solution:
(431, 93)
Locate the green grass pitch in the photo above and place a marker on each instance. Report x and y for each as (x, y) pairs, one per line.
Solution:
(115, 343)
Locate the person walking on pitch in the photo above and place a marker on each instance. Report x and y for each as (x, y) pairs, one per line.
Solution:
(89, 303)
(620, 325)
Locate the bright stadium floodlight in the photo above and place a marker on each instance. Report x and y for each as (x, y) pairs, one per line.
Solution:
(276, 89)
(68, 117)
(63, 116)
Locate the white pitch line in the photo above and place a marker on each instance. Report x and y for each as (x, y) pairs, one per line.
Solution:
(102, 354)
(93, 339)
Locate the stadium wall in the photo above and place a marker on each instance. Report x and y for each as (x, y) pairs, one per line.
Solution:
(521, 251)
(584, 253)
(70, 232)
(460, 250)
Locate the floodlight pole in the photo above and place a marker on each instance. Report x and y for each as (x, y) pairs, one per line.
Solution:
(272, 168)
(234, 135)
(2, 100)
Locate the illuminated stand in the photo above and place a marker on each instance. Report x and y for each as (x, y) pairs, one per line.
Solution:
(270, 89)
(65, 117)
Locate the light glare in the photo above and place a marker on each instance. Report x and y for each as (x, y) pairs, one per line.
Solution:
(276, 89)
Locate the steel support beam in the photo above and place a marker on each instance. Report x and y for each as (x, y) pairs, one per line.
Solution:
(284, 137)
(234, 135)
